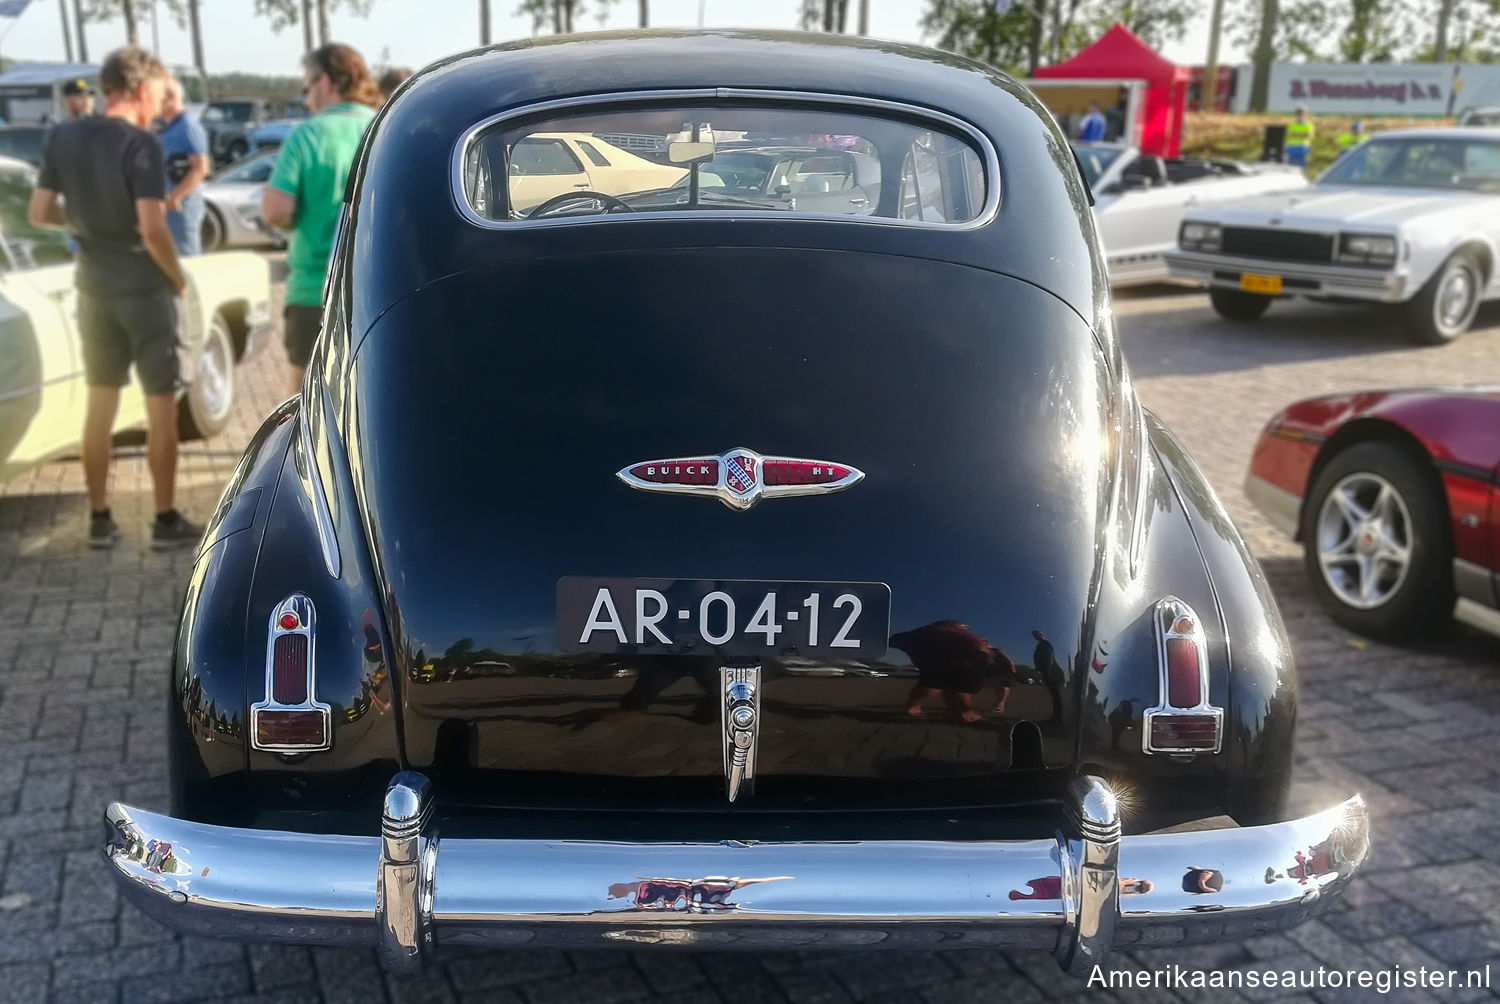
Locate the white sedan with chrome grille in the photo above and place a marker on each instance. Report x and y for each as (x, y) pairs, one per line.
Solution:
(1410, 217)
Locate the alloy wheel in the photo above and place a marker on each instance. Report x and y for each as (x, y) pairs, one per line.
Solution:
(1364, 540)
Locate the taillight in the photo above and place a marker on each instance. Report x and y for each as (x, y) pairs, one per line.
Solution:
(1183, 721)
(291, 719)
(1184, 687)
(289, 669)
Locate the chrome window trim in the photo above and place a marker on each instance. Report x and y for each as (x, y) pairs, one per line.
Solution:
(980, 142)
(301, 607)
(1169, 609)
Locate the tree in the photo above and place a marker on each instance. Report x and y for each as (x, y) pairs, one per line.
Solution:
(1028, 34)
(562, 13)
(283, 13)
(1265, 51)
(1372, 32)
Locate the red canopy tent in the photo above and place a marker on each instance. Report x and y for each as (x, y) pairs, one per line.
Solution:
(1121, 55)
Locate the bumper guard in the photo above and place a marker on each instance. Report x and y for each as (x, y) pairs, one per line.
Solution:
(1079, 894)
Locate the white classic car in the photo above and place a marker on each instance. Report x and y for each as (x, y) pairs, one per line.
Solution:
(226, 316)
(1410, 217)
(1139, 200)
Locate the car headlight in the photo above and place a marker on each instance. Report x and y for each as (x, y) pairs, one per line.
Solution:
(1367, 249)
(1201, 236)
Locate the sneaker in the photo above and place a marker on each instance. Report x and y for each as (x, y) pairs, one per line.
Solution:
(103, 531)
(172, 530)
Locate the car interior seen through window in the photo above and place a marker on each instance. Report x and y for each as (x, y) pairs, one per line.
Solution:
(725, 159)
(1471, 164)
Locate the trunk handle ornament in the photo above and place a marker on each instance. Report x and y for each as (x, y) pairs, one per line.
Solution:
(740, 717)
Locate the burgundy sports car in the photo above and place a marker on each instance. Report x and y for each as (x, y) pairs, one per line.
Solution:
(1395, 497)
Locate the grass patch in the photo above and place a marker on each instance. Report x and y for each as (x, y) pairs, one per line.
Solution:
(1238, 137)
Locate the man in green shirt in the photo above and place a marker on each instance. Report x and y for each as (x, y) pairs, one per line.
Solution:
(307, 187)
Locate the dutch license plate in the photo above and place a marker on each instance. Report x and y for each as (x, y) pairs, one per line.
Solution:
(723, 617)
(1268, 284)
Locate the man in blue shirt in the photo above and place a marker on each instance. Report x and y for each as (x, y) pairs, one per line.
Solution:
(1092, 128)
(186, 147)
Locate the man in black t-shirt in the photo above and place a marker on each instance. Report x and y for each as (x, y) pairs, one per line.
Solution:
(109, 172)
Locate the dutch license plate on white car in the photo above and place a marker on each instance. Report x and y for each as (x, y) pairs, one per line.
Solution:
(1267, 284)
(723, 617)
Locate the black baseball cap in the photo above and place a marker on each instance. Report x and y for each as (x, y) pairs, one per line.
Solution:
(77, 86)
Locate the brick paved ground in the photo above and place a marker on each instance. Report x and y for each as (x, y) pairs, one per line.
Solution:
(84, 640)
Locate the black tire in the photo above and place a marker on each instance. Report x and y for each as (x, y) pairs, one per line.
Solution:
(1442, 311)
(239, 148)
(213, 230)
(1417, 603)
(1236, 305)
(209, 402)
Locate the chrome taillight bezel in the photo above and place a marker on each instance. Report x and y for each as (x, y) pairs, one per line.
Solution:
(1167, 619)
(301, 608)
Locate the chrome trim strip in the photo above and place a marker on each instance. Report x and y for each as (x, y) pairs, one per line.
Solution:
(1477, 615)
(404, 883)
(1170, 610)
(1093, 817)
(300, 607)
(278, 886)
(31, 388)
(739, 715)
(979, 140)
(1142, 495)
(307, 468)
(1193, 265)
(1281, 508)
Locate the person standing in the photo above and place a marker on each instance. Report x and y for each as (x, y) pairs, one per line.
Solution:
(78, 99)
(307, 186)
(111, 173)
(1092, 128)
(185, 145)
(390, 80)
(1299, 137)
(1352, 138)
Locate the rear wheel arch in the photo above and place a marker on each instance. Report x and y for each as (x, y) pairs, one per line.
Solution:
(1483, 254)
(1363, 430)
(235, 313)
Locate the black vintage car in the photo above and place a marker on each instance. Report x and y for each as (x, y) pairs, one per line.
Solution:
(718, 575)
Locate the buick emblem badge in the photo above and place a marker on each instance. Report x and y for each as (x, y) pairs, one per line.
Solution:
(740, 478)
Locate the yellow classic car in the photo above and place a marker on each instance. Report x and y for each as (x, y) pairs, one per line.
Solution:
(226, 314)
(544, 165)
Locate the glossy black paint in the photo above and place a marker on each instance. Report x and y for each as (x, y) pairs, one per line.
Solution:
(475, 391)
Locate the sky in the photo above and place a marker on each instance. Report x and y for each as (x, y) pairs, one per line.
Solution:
(417, 32)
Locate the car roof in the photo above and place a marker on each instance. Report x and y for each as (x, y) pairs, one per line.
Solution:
(406, 205)
(1439, 132)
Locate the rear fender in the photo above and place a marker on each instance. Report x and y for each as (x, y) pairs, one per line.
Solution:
(206, 720)
(1152, 555)
(350, 651)
(1261, 683)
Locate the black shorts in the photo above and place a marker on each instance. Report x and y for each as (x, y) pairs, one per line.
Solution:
(141, 328)
(302, 324)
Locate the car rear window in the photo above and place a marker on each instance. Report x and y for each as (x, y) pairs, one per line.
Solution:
(735, 158)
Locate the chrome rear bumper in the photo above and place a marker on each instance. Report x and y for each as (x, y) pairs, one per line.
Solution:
(1078, 895)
